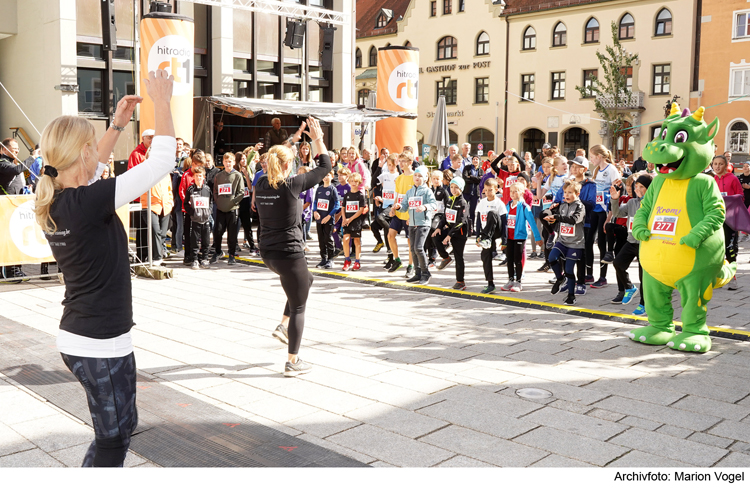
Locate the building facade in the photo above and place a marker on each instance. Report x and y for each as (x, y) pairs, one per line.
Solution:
(52, 62)
(724, 74)
(509, 69)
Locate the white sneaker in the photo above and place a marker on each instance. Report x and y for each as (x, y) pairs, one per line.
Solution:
(516, 287)
(508, 286)
(732, 285)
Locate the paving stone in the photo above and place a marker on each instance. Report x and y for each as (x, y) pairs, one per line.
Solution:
(397, 396)
(719, 442)
(488, 375)
(670, 447)
(280, 409)
(398, 420)
(732, 430)
(478, 417)
(641, 423)
(474, 397)
(337, 448)
(484, 447)
(570, 406)
(640, 392)
(557, 461)
(11, 441)
(17, 406)
(535, 357)
(236, 393)
(54, 432)
(559, 390)
(575, 423)
(571, 445)
(322, 397)
(31, 458)
(322, 424)
(671, 430)
(638, 459)
(713, 407)
(735, 459)
(658, 413)
(411, 380)
(73, 456)
(460, 461)
(602, 370)
(694, 386)
(605, 415)
(391, 448)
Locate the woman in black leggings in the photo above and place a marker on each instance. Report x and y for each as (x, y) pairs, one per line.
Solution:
(282, 245)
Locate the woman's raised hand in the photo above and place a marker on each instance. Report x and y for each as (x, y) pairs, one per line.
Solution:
(159, 86)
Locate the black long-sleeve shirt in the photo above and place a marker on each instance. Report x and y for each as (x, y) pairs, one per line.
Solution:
(11, 176)
(280, 211)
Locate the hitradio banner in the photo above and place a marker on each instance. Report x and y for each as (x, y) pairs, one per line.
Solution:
(167, 42)
(398, 90)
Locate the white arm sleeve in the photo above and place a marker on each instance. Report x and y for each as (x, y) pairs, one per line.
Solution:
(145, 175)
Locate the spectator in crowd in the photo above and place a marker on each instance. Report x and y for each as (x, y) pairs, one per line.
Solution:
(11, 183)
(276, 135)
(452, 150)
(139, 154)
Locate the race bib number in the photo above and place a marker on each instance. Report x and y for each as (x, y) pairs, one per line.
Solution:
(536, 202)
(323, 204)
(546, 205)
(352, 207)
(415, 202)
(200, 201)
(600, 198)
(511, 222)
(483, 218)
(389, 194)
(225, 189)
(630, 224)
(450, 215)
(664, 224)
(567, 230)
(510, 181)
(246, 194)
(399, 198)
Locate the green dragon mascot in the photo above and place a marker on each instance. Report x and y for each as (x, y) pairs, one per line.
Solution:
(679, 225)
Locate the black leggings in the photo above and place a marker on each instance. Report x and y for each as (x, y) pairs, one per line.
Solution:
(514, 252)
(459, 243)
(598, 219)
(110, 390)
(296, 281)
(731, 240)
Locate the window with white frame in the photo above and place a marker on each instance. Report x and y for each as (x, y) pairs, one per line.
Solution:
(742, 24)
(740, 82)
(737, 138)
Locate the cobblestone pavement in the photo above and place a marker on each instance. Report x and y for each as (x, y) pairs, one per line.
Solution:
(405, 378)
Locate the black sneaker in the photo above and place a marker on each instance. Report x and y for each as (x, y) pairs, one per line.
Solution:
(296, 368)
(425, 279)
(608, 258)
(321, 264)
(396, 265)
(550, 242)
(409, 272)
(556, 287)
(388, 264)
(415, 278)
(214, 258)
(232, 260)
(619, 297)
(544, 268)
(570, 300)
(459, 286)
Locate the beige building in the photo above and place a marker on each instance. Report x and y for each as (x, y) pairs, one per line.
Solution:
(465, 48)
(52, 62)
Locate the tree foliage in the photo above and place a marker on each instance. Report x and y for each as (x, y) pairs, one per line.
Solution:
(612, 93)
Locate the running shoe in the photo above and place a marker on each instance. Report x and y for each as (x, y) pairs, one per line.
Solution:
(378, 247)
(388, 264)
(550, 242)
(629, 294)
(214, 258)
(580, 289)
(744, 237)
(356, 266)
(204, 263)
(414, 279)
(328, 265)
(409, 271)
(195, 265)
(444, 263)
(425, 279)
(570, 300)
(639, 310)
(347, 265)
(589, 279)
(507, 286)
(396, 265)
(516, 287)
(600, 283)
(187, 262)
(552, 281)
(431, 263)
(321, 264)
(565, 288)
(459, 286)
(533, 254)
(488, 289)
(281, 334)
(556, 287)
(232, 260)
(732, 285)
(296, 368)
(608, 258)
(544, 268)
(618, 298)
(485, 243)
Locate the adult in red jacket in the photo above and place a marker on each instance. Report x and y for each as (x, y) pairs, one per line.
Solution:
(139, 154)
(728, 185)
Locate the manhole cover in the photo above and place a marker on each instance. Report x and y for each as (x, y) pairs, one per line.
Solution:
(533, 393)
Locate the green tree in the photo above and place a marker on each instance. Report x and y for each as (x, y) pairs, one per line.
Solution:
(612, 95)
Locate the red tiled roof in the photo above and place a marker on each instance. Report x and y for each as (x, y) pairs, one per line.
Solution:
(367, 15)
(524, 6)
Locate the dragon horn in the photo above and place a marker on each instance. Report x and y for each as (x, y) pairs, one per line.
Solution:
(698, 114)
(675, 109)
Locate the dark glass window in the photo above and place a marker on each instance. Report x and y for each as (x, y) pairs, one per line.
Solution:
(482, 90)
(527, 86)
(433, 8)
(461, 5)
(529, 39)
(663, 23)
(447, 48)
(449, 88)
(89, 50)
(588, 82)
(243, 89)
(381, 21)
(447, 6)
(362, 97)
(90, 90)
(627, 27)
(661, 79)
(358, 59)
(592, 31)
(560, 36)
(266, 67)
(558, 86)
(123, 85)
(483, 43)
(373, 57)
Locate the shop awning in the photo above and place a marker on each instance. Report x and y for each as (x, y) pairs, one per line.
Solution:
(328, 112)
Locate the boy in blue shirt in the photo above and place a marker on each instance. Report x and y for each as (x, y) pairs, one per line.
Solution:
(325, 206)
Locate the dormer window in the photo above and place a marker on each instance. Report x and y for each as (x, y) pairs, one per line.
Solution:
(384, 17)
(381, 22)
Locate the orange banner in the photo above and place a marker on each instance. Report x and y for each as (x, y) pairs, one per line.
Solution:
(398, 89)
(25, 242)
(167, 42)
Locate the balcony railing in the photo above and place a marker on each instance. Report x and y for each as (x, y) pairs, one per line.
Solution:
(624, 102)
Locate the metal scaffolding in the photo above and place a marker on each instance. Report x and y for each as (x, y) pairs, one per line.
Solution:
(287, 9)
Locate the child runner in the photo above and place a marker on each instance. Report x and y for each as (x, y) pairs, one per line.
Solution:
(441, 193)
(558, 176)
(342, 188)
(198, 207)
(325, 207)
(492, 216)
(307, 198)
(568, 219)
(626, 289)
(728, 185)
(472, 175)
(453, 230)
(616, 228)
(354, 209)
(604, 174)
(421, 205)
(519, 214)
(384, 200)
(404, 182)
(228, 192)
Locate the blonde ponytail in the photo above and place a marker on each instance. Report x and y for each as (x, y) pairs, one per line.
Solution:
(278, 156)
(62, 143)
(604, 152)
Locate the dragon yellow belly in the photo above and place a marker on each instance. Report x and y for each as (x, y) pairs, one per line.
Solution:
(662, 255)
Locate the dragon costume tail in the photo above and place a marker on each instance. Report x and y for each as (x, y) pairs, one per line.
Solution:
(728, 270)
